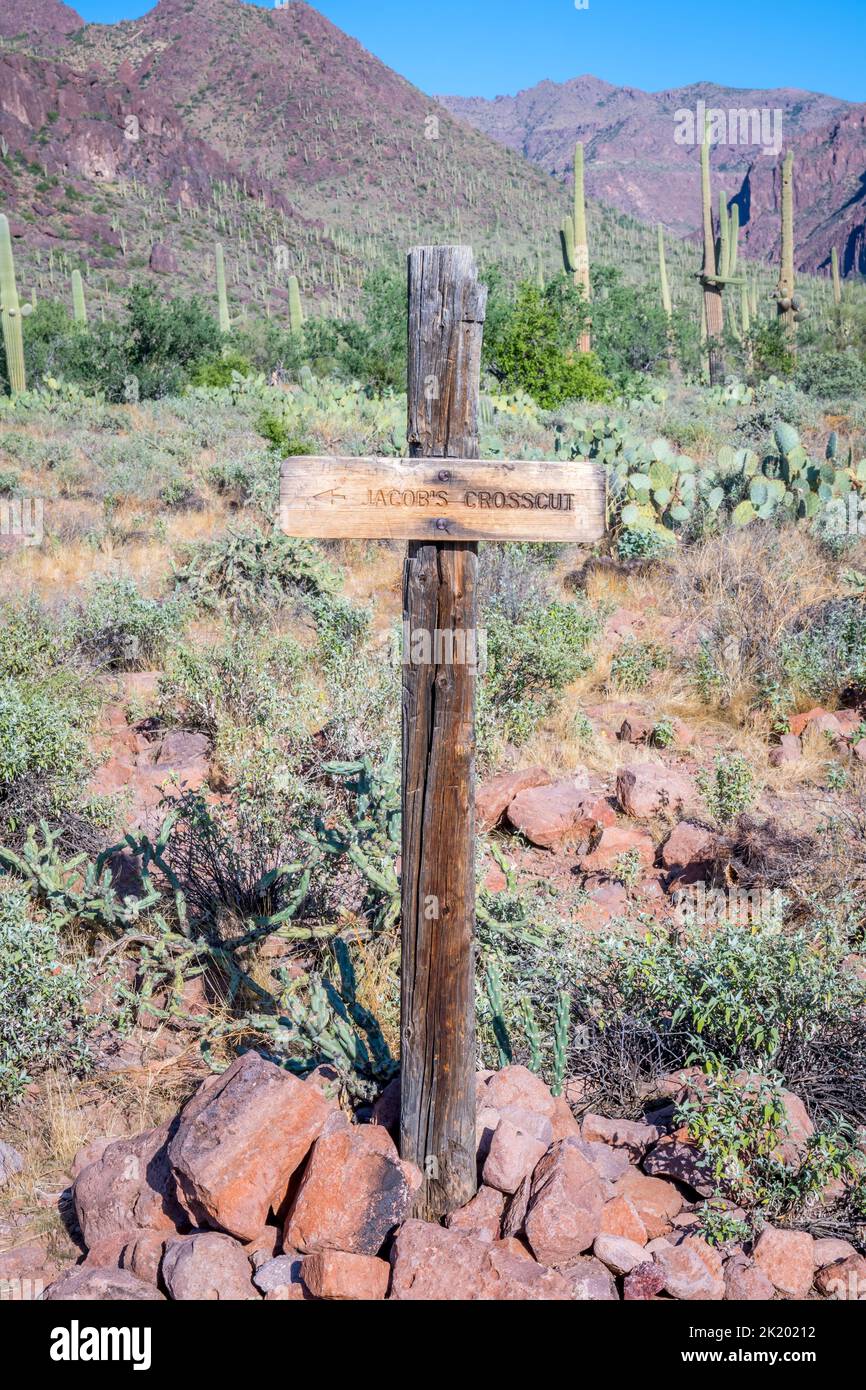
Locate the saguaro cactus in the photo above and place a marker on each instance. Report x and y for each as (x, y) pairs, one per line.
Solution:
(11, 313)
(834, 271)
(787, 303)
(720, 261)
(79, 306)
(222, 296)
(663, 273)
(296, 313)
(575, 248)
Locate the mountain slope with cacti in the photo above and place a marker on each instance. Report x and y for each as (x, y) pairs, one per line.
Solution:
(632, 153)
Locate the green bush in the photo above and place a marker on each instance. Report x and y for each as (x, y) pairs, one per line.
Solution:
(835, 375)
(530, 658)
(44, 1021)
(43, 751)
(532, 353)
(741, 1124)
(220, 371)
(118, 628)
(827, 654)
(729, 789)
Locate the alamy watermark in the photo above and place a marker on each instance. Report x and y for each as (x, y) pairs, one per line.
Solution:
(421, 646)
(22, 519)
(700, 906)
(734, 125)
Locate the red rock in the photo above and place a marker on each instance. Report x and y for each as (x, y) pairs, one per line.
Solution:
(564, 1213)
(207, 1266)
(337, 1275)
(745, 1282)
(619, 1217)
(353, 1193)
(563, 813)
(788, 1260)
(688, 844)
(614, 842)
(643, 1283)
(517, 1085)
(788, 750)
(481, 1216)
(843, 1280)
(798, 722)
(431, 1263)
(651, 789)
(519, 1141)
(101, 1286)
(609, 1163)
(162, 259)
(240, 1140)
(656, 1201)
(106, 1253)
(828, 1249)
(590, 1280)
(618, 1252)
(671, 1158)
(692, 1269)
(280, 1279)
(386, 1110)
(859, 750)
(90, 1153)
(631, 1135)
(636, 729)
(143, 1256)
(494, 796)
(129, 1188)
(565, 1126)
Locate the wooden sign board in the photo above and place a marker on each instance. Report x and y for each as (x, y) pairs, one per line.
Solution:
(442, 499)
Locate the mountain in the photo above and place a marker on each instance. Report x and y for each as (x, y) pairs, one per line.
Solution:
(269, 129)
(634, 160)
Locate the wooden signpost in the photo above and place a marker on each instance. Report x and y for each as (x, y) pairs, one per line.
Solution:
(442, 500)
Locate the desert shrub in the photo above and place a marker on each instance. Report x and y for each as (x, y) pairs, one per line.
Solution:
(834, 375)
(534, 353)
(639, 543)
(44, 1020)
(826, 654)
(43, 751)
(635, 663)
(251, 573)
(729, 789)
(741, 1124)
(220, 371)
(629, 328)
(246, 682)
(515, 576)
(530, 658)
(118, 628)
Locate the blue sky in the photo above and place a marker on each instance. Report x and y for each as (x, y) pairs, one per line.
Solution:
(487, 47)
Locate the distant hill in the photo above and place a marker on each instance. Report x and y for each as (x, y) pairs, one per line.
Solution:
(271, 129)
(635, 163)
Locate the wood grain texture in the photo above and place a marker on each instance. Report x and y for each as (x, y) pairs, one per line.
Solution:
(437, 1119)
(437, 499)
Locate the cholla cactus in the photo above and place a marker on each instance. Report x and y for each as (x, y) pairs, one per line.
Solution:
(79, 306)
(12, 313)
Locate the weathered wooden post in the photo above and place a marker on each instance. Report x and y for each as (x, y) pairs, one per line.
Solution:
(442, 500)
(440, 621)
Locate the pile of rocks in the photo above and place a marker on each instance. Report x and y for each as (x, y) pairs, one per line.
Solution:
(262, 1187)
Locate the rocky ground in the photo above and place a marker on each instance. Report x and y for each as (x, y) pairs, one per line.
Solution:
(263, 1187)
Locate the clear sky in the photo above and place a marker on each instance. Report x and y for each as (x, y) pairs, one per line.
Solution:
(487, 47)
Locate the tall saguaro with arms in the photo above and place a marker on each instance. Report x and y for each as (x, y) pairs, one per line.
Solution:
(442, 500)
